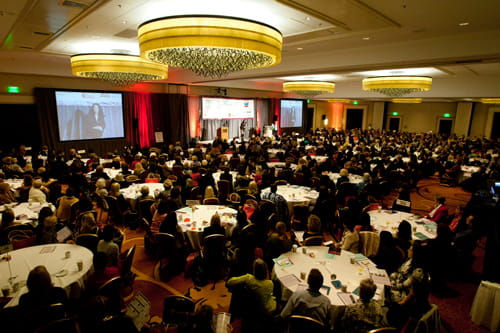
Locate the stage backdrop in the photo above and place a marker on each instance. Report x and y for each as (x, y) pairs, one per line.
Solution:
(144, 113)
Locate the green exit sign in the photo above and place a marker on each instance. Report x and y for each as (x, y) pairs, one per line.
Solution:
(447, 115)
(355, 102)
(13, 90)
(395, 113)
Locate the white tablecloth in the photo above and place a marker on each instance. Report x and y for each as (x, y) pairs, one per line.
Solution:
(112, 172)
(217, 174)
(26, 212)
(193, 221)
(296, 195)
(134, 190)
(14, 183)
(318, 257)
(319, 159)
(280, 165)
(64, 272)
(485, 308)
(354, 179)
(172, 162)
(389, 221)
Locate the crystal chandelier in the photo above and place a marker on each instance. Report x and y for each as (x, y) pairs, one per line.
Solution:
(397, 86)
(309, 88)
(210, 46)
(119, 69)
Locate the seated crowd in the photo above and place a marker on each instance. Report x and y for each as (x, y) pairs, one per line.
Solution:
(87, 200)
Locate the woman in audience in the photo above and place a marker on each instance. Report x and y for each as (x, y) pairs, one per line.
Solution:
(37, 192)
(253, 190)
(440, 210)
(108, 246)
(277, 243)
(48, 231)
(88, 224)
(404, 236)
(209, 193)
(215, 227)
(389, 256)
(414, 268)
(64, 203)
(7, 220)
(313, 227)
(114, 191)
(350, 238)
(6, 195)
(366, 314)
(102, 273)
(260, 284)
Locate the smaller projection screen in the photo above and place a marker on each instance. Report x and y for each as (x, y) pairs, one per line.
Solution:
(291, 113)
(86, 115)
(227, 108)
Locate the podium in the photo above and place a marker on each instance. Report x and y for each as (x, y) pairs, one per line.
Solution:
(223, 133)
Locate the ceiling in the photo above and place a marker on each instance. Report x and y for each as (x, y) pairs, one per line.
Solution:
(457, 42)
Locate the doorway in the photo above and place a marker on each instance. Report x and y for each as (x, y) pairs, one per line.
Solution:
(394, 123)
(354, 119)
(445, 126)
(495, 128)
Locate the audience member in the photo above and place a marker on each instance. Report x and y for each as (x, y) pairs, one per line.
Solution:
(108, 246)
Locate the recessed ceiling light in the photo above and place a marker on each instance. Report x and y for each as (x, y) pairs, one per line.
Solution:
(308, 18)
(124, 22)
(463, 24)
(300, 48)
(366, 38)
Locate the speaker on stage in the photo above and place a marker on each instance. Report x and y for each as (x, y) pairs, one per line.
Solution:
(223, 133)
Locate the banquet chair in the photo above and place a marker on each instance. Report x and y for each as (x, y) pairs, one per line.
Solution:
(315, 181)
(223, 188)
(179, 310)
(115, 214)
(131, 179)
(383, 330)
(281, 181)
(195, 193)
(112, 289)
(89, 241)
(144, 209)
(234, 200)
(234, 162)
(165, 243)
(430, 322)
(214, 256)
(300, 214)
(313, 241)
(369, 242)
(211, 201)
(65, 325)
(298, 178)
(300, 324)
(126, 267)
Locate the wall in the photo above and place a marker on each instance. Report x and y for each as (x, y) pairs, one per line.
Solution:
(420, 117)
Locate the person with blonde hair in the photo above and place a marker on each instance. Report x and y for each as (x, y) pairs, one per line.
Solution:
(209, 192)
(36, 193)
(253, 189)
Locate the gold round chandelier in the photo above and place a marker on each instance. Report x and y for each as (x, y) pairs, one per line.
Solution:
(119, 69)
(210, 46)
(490, 100)
(309, 88)
(407, 100)
(396, 86)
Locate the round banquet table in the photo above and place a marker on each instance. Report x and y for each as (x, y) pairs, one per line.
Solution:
(354, 179)
(134, 190)
(64, 272)
(319, 158)
(27, 212)
(289, 275)
(193, 221)
(389, 220)
(217, 174)
(296, 195)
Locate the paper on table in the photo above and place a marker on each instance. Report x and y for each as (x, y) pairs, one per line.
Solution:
(379, 276)
(283, 261)
(290, 281)
(347, 298)
(420, 236)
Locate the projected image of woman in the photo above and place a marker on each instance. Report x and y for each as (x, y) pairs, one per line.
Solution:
(94, 123)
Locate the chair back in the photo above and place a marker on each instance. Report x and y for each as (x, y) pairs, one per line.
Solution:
(178, 310)
(126, 266)
(214, 251)
(313, 241)
(299, 217)
(19, 238)
(144, 209)
(89, 241)
(369, 242)
(223, 188)
(300, 324)
(430, 322)
(195, 193)
(234, 198)
(383, 330)
(192, 202)
(114, 211)
(166, 244)
(298, 178)
(211, 201)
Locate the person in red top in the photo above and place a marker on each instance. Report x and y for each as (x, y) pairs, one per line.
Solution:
(439, 212)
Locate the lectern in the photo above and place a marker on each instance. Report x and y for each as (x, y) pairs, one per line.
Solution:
(223, 133)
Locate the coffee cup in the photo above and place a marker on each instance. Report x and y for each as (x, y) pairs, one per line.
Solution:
(67, 255)
(304, 250)
(344, 288)
(303, 275)
(294, 248)
(352, 260)
(79, 264)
